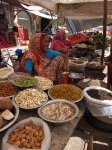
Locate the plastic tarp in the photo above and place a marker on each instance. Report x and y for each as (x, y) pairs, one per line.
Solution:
(80, 25)
(74, 9)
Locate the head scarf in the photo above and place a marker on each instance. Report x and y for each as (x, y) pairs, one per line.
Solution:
(59, 37)
(35, 53)
(43, 65)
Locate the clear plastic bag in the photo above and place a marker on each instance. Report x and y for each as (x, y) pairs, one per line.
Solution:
(37, 121)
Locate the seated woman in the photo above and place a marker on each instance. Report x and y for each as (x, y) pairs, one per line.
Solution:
(45, 62)
(59, 42)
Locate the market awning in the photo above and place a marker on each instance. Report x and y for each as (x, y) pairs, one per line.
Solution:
(79, 25)
(70, 9)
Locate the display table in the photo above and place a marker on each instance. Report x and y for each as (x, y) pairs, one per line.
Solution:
(59, 134)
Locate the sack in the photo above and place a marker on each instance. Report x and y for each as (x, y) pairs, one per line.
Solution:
(37, 121)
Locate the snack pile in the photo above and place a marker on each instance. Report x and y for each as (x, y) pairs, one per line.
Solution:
(27, 136)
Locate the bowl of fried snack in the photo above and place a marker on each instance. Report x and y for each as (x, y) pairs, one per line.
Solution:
(66, 91)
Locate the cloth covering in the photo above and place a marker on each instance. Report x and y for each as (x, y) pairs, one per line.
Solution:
(43, 65)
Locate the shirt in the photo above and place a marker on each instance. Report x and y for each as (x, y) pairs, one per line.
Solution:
(50, 53)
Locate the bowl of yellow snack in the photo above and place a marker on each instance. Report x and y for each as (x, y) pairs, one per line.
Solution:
(66, 91)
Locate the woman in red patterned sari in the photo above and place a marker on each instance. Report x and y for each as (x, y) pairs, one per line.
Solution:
(45, 62)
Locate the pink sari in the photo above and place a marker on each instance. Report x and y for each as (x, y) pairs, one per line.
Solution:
(58, 40)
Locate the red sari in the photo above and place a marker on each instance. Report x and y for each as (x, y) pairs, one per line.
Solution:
(43, 65)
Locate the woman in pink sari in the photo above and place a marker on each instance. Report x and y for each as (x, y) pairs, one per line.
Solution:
(43, 61)
(59, 42)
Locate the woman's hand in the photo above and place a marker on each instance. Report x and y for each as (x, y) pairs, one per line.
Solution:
(65, 68)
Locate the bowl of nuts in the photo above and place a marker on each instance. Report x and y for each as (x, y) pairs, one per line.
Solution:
(30, 98)
(58, 111)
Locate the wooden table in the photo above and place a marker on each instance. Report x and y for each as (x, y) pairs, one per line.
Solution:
(60, 134)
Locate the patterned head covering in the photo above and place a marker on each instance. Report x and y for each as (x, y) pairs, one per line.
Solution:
(35, 53)
(43, 65)
(59, 37)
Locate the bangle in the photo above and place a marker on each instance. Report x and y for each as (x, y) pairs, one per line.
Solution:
(69, 50)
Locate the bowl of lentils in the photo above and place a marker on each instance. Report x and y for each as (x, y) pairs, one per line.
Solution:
(24, 82)
(98, 100)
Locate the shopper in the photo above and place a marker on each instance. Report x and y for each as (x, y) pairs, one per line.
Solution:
(43, 61)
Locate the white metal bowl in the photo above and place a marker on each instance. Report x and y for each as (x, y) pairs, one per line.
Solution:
(43, 83)
(74, 101)
(24, 87)
(30, 108)
(97, 107)
(74, 75)
(12, 76)
(74, 106)
(16, 109)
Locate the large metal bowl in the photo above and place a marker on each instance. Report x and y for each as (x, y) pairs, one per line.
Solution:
(15, 75)
(74, 106)
(34, 107)
(16, 114)
(64, 97)
(25, 86)
(3, 86)
(43, 83)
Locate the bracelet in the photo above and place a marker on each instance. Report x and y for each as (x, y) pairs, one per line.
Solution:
(69, 50)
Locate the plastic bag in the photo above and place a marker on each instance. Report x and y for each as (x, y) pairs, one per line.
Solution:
(37, 121)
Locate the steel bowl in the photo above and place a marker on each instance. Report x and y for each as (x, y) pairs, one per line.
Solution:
(16, 114)
(30, 108)
(60, 122)
(24, 87)
(43, 83)
(15, 75)
(74, 75)
(74, 101)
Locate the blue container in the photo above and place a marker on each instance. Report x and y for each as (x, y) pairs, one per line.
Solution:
(18, 51)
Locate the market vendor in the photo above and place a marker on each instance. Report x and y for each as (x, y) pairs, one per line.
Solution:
(45, 62)
(60, 43)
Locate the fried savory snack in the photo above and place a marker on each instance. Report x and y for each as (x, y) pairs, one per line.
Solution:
(7, 89)
(27, 136)
(65, 91)
(5, 103)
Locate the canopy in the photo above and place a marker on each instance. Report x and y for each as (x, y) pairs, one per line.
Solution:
(80, 25)
(73, 9)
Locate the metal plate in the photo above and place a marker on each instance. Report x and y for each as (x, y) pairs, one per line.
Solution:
(16, 109)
